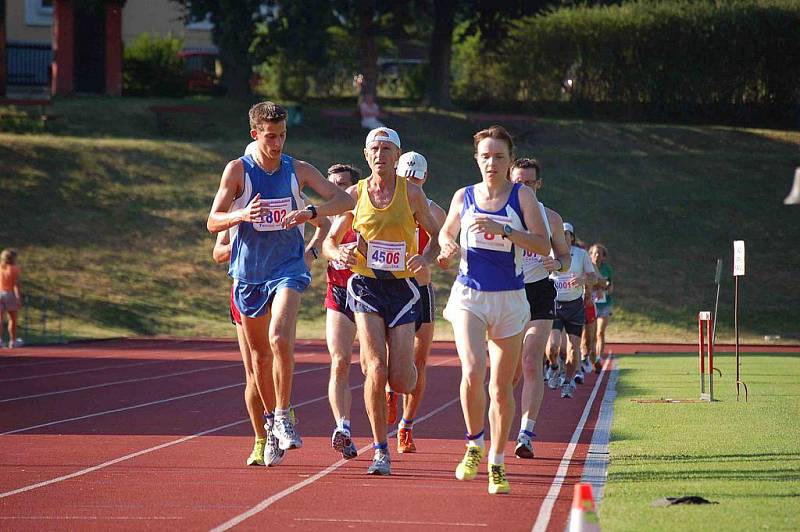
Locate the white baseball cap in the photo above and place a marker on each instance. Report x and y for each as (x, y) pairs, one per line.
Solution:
(412, 164)
(383, 133)
(568, 227)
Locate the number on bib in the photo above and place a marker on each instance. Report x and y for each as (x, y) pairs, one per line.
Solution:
(385, 255)
(277, 209)
(487, 240)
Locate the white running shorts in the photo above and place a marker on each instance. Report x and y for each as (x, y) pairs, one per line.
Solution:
(505, 313)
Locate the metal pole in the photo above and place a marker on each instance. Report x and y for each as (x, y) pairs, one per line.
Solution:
(718, 281)
(701, 354)
(710, 363)
(736, 328)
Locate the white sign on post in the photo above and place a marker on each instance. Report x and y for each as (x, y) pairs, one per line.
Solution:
(738, 258)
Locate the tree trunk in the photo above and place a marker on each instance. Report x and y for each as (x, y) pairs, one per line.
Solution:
(444, 12)
(369, 48)
(233, 40)
(2, 48)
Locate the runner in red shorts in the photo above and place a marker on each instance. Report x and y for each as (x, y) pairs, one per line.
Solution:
(340, 327)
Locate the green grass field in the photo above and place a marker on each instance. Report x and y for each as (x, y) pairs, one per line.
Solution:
(743, 455)
(111, 216)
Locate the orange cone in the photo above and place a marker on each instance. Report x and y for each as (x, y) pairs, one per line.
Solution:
(583, 516)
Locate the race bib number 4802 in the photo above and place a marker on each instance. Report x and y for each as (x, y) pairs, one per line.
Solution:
(277, 209)
(385, 255)
(490, 241)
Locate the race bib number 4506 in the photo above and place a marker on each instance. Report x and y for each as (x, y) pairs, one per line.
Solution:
(272, 220)
(385, 255)
(488, 240)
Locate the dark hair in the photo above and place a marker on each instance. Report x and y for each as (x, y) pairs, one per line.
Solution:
(528, 162)
(355, 173)
(265, 112)
(494, 132)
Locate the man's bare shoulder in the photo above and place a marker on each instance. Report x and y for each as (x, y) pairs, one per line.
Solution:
(553, 217)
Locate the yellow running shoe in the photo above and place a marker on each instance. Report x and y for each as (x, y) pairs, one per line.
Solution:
(257, 456)
(498, 483)
(468, 468)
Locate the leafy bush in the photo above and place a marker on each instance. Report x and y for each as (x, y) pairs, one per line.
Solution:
(152, 67)
(672, 59)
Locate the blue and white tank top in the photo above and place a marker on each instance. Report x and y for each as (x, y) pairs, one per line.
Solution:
(491, 263)
(263, 251)
(532, 262)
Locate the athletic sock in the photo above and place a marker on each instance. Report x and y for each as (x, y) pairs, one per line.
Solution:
(406, 423)
(380, 446)
(526, 425)
(281, 413)
(476, 440)
(269, 418)
(496, 458)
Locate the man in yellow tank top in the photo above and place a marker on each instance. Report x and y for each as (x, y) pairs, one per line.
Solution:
(382, 291)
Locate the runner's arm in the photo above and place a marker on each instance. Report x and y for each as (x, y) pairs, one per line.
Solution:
(230, 186)
(449, 231)
(560, 245)
(314, 247)
(425, 218)
(337, 201)
(535, 239)
(222, 248)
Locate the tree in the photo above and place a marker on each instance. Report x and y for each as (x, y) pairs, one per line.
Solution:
(234, 23)
(444, 16)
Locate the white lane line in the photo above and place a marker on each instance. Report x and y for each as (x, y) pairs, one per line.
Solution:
(86, 518)
(546, 510)
(142, 405)
(141, 379)
(266, 503)
(595, 470)
(101, 368)
(158, 447)
(114, 383)
(389, 522)
(73, 358)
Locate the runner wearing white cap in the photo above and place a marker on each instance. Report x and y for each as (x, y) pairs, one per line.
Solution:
(414, 167)
(382, 291)
(570, 315)
(541, 294)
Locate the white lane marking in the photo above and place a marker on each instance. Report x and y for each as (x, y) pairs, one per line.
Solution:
(114, 383)
(266, 503)
(389, 522)
(101, 368)
(157, 447)
(546, 510)
(142, 405)
(595, 470)
(86, 518)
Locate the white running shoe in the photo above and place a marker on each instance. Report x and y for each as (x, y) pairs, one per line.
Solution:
(567, 388)
(273, 454)
(283, 429)
(586, 366)
(381, 463)
(553, 378)
(579, 377)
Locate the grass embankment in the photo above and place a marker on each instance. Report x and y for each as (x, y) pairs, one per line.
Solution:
(742, 455)
(112, 216)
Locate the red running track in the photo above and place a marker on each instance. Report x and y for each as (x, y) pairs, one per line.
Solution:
(153, 433)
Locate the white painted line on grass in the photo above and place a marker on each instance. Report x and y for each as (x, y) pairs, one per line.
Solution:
(141, 405)
(546, 510)
(595, 470)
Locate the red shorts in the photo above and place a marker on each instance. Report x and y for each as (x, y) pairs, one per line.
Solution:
(591, 313)
(236, 317)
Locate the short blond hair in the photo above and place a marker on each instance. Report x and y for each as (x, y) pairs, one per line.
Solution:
(8, 256)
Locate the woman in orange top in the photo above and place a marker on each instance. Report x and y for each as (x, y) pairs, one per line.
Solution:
(10, 292)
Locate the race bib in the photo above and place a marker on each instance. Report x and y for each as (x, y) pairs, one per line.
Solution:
(530, 259)
(489, 241)
(385, 255)
(564, 283)
(278, 208)
(339, 265)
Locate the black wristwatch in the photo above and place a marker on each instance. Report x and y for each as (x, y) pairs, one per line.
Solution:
(507, 230)
(312, 210)
(314, 252)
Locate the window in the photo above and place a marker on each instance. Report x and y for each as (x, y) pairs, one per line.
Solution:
(39, 12)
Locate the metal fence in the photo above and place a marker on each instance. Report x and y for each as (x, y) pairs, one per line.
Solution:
(41, 318)
(28, 64)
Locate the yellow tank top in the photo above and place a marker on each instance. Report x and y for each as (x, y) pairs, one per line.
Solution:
(389, 234)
